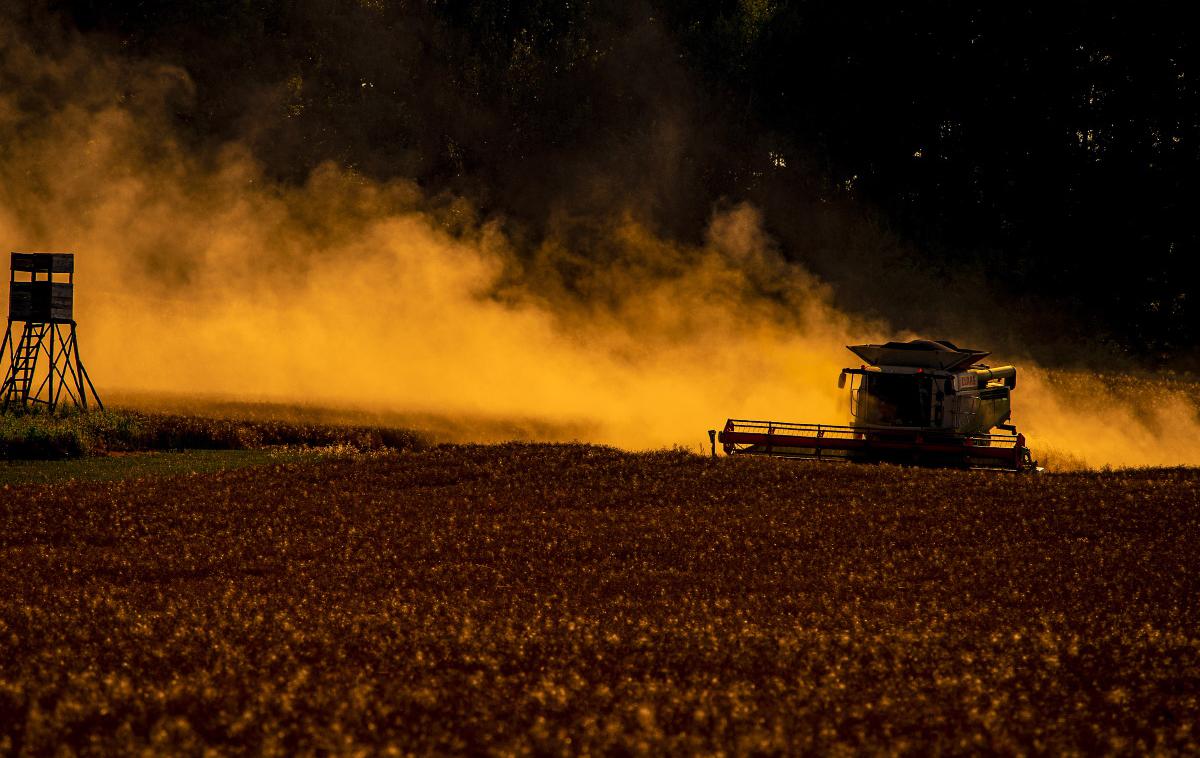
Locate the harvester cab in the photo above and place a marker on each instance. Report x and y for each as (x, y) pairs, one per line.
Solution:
(929, 385)
(925, 402)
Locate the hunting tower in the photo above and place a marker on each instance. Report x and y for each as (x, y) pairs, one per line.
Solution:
(42, 355)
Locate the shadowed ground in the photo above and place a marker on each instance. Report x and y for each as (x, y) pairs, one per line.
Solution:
(570, 598)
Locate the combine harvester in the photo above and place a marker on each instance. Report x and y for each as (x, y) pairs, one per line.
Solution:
(924, 402)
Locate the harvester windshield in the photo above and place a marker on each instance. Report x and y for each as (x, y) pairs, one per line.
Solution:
(895, 400)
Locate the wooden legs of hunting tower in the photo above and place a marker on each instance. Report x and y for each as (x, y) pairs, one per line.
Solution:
(44, 367)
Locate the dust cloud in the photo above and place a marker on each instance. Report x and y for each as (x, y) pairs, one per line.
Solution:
(198, 274)
(1077, 420)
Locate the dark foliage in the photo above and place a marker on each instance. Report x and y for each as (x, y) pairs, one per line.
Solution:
(1037, 162)
(53, 436)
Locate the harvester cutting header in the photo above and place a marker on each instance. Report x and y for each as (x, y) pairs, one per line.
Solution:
(925, 402)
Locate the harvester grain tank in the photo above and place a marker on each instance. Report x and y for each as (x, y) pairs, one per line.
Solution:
(924, 402)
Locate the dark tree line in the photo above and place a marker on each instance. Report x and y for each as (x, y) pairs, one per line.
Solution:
(1032, 163)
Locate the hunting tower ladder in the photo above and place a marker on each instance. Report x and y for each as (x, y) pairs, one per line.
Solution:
(41, 299)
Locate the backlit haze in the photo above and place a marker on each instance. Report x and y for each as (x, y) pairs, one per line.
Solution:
(197, 274)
